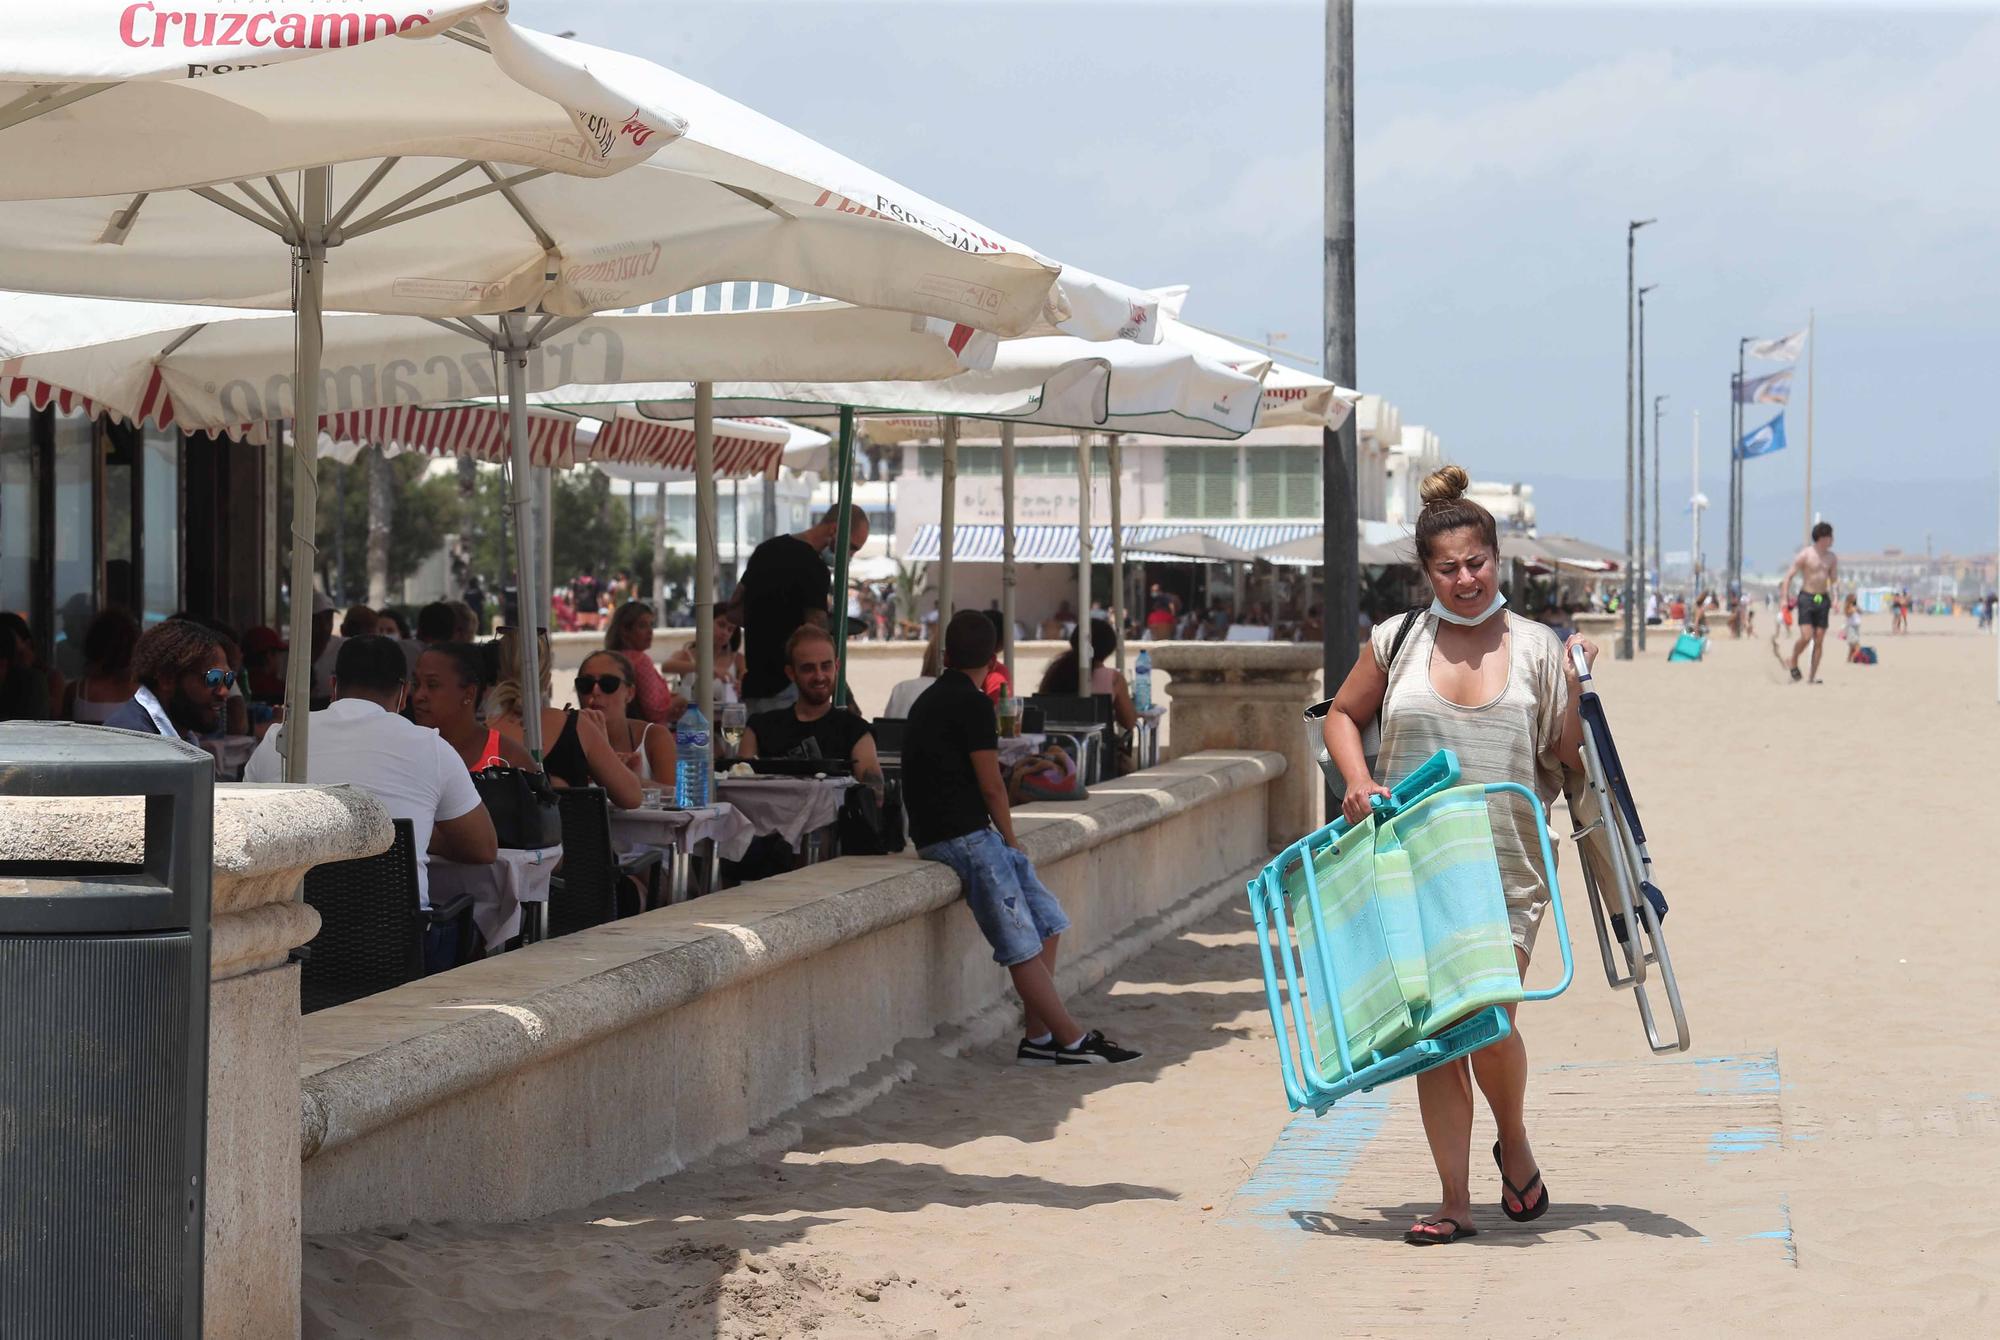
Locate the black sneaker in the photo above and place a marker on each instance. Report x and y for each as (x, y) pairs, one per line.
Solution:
(1094, 1049)
(1037, 1053)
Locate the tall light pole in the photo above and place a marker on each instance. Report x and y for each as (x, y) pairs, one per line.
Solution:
(1340, 556)
(1644, 581)
(1659, 517)
(1631, 299)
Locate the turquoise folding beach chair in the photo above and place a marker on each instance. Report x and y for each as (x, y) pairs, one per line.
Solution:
(1385, 945)
(1626, 906)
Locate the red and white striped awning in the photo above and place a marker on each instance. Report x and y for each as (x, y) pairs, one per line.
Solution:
(41, 395)
(743, 447)
(467, 430)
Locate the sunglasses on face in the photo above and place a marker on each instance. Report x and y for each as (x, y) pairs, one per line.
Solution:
(218, 679)
(605, 684)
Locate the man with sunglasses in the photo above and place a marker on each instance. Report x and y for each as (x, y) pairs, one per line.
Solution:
(182, 670)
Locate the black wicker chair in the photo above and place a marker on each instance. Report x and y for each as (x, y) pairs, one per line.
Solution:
(589, 887)
(371, 934)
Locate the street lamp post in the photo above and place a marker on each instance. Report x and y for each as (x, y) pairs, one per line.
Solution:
(1625, 612)
(1643, 577)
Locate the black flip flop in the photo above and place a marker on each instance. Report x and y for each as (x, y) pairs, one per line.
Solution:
(1796, 676)
(1529, 1210)
(1420, 1239)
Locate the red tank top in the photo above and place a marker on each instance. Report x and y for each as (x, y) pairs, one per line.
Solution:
(491, 757)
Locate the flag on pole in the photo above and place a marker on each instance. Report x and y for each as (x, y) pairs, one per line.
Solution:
(1775, 389)
(1763, 441)
(1784, 349)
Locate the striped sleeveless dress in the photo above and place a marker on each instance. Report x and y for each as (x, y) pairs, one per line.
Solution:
(1510, 739)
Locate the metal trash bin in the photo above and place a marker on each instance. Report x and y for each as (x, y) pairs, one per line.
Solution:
(104, 1049)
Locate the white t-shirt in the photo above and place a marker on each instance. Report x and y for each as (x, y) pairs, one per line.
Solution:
(905, 695)
(409, 768)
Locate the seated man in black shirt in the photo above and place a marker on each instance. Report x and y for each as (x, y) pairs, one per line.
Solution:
(959, 817)
(810, 727)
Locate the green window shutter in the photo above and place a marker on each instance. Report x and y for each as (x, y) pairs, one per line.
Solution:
(1219, 483)
(1184, 481)
(1301, 493)
(1266, 466)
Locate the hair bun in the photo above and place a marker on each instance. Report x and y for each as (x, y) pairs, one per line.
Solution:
(1444, 485)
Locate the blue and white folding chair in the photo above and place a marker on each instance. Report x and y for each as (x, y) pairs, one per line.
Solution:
(1625, 904)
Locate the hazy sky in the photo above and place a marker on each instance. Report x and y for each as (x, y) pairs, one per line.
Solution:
(1835, 156)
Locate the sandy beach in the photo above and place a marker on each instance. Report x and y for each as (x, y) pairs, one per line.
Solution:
(1814, 1165)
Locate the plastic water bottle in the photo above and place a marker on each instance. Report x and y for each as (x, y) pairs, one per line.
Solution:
(693, 774)
(1142, 683)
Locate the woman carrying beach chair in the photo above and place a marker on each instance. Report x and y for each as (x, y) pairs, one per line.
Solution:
(1496, 689)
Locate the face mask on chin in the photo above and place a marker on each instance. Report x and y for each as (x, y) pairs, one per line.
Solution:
(1449, 615)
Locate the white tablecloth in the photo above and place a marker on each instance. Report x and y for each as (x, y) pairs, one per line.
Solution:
(232, 755)
(683, 830)
(521, 875)
(789, 806)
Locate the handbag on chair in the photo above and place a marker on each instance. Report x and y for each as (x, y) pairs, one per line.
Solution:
(522, 804)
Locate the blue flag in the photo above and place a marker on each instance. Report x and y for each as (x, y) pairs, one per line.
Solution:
(1763, 441)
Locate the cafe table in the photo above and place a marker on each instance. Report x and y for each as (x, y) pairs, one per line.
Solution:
(719, 831)
(501, 891)
(801, 810)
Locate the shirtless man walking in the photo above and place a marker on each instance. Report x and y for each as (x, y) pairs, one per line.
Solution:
(1817, 569)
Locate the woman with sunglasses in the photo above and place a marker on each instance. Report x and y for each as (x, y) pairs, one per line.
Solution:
(444, 695)
(604, 684)
(582, 753)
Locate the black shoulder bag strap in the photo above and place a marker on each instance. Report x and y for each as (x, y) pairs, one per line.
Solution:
(1402, 635)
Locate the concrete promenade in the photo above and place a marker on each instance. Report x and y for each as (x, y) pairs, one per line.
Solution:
(1815, 1165)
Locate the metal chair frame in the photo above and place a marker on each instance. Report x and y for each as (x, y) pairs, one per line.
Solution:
(1644, 943)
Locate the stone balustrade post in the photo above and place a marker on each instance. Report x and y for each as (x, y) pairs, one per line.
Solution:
(266, 838)
(1248, 695)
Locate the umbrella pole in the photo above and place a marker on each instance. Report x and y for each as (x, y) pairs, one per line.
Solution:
(1117, 550)
(1083, 564)
(311, 262)
(1007, 550)
(843, 559)
(527, 578)
(704, 550)
(947, 520)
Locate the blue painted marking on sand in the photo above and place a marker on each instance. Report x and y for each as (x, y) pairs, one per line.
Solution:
(1979, 1098)
(1307, 1164)
(1742, 1140)
(1774, 1234)
(1753, 1073)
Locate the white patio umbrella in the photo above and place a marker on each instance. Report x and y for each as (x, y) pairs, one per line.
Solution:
(1049, 381)
(128, 171)
(219, 369)
(227, 371)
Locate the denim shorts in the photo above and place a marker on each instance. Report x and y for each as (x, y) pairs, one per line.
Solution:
(1014, 910)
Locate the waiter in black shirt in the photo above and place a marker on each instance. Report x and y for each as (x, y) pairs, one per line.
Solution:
(785, 585)
(810, 720)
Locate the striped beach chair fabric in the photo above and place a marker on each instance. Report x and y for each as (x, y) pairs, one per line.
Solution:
(1389, 940)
